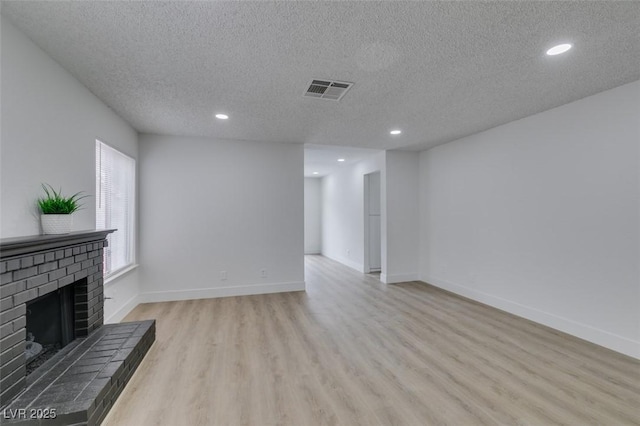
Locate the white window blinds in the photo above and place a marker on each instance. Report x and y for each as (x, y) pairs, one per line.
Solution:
(115, 199)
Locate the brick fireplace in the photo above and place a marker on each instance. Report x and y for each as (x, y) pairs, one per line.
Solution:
(36, 266)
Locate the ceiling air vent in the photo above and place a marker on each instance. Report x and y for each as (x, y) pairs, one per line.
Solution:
(327, 89)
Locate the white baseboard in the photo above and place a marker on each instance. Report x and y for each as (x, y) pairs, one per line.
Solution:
(214, 292)
(398, 278)
(347, 262)
(124, 310)
(600, 337)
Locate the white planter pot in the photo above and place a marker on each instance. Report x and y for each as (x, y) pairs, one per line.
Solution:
(56, 223)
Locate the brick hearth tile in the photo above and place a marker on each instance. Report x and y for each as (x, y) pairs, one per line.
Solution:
(83, 394)
(76, 378)
(96, 389)
(113, 339)
(106, 347)
(80, 369)
(99, 353)
(93, 361)
(124, 331)
(122, 354)
(111, 369)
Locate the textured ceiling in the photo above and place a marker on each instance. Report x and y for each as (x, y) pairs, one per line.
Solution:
(437, 70)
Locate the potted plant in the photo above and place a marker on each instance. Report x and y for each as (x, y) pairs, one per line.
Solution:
(56, 210)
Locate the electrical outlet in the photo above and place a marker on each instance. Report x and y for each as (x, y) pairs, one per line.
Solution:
(223, 275)
(108, 296)
(263, 273)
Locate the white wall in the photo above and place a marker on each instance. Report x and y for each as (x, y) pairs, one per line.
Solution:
(312, 215)
(343, 212)
(402, 176)
(540, 217)
(49, 125)
(215, 205)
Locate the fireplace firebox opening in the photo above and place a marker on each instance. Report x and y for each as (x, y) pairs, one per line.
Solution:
(50, 324)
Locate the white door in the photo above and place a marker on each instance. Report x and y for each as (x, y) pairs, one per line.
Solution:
(372, 221)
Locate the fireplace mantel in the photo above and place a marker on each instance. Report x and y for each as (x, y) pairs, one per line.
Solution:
(16, 246)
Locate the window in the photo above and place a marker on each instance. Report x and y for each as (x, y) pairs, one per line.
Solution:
(115, 199)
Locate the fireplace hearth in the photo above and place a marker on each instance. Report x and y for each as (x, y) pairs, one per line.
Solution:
(55, 351)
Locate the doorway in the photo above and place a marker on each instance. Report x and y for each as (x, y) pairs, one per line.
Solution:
(372, 224)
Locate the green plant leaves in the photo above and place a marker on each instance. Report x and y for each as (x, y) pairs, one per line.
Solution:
(56, 203)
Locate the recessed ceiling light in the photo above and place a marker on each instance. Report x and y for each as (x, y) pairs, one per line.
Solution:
(222, 116)
(341, 159)
(315, 173)
(395, 132)
(561, 48)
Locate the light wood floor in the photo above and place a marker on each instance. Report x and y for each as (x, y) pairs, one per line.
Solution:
(353, 351)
